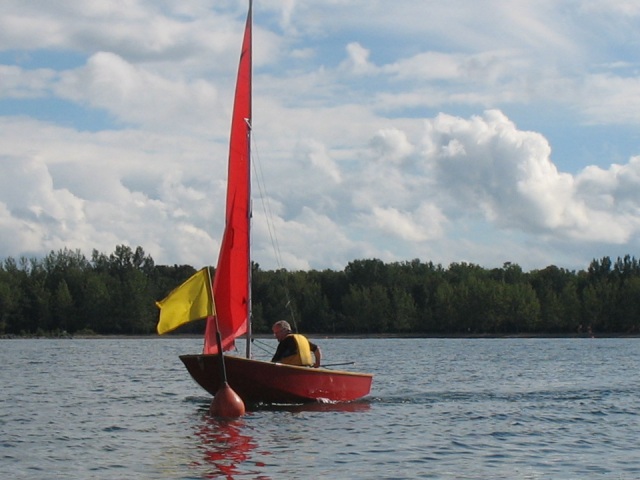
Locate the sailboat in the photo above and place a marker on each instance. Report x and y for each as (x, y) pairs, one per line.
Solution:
(226, 301)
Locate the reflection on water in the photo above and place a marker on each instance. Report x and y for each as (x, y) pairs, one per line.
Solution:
(224, 446)
(229, 451)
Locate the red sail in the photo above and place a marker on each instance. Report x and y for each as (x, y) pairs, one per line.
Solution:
(231, 282)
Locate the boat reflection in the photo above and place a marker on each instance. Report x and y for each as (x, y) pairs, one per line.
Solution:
(227, 451)
(224, 447)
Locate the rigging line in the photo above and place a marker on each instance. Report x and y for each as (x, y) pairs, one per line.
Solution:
(255, 340)
(263, 347)
(264, 200)
(268, 213)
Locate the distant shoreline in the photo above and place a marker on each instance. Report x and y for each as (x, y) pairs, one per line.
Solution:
(355, 336)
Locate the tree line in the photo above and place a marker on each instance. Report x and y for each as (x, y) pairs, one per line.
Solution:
(66, 293)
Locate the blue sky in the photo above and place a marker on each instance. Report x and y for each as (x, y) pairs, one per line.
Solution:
(462, 131)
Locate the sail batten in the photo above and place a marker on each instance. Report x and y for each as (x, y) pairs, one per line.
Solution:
(231, 284)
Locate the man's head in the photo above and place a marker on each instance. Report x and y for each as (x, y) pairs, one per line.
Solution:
(281, 329)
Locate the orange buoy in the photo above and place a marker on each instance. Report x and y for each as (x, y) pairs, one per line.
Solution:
(226, 403)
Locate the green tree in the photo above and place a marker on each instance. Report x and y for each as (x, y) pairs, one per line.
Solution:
(62, 308)
(367, 309)
(403, 307)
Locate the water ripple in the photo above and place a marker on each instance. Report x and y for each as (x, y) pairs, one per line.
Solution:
(453, 409)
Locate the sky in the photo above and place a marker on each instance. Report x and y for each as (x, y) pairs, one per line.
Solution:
(469, 131)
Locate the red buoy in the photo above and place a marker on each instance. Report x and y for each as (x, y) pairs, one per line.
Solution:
(226, 403)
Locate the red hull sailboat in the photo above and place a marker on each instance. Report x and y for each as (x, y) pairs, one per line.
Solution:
(257, 381)
(226, 302)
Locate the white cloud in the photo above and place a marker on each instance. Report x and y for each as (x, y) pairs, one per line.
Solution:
(625, 7)
(425, 223)
(611, 99)
(382, 151)
(392, 144)
(42, 216)
(321, 159)
(18, 83)
(507, 175)
(96, 190)
(134, 95)
(358, 60)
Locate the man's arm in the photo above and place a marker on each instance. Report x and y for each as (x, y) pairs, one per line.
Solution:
(318, 354)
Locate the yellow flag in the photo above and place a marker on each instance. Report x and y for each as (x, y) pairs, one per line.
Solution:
(190, 301)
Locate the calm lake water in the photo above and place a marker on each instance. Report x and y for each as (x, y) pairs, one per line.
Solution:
(439, 408)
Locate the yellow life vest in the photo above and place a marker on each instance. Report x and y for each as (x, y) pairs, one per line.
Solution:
(303, 356)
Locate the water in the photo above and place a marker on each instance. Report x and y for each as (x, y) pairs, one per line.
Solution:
(439, 408)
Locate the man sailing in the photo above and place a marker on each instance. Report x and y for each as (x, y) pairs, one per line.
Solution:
(293, 348)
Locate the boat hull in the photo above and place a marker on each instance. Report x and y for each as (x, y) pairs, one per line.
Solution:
(257, 381)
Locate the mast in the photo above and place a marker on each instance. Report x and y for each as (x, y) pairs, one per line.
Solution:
(249, 40)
